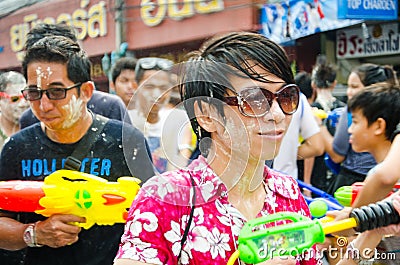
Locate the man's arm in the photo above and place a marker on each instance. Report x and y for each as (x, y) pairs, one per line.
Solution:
(56, 231)
(11, 233)
(382, 178)
(311, 147)
(327, 139)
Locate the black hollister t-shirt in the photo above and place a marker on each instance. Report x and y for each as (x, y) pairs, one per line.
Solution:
(31, 155)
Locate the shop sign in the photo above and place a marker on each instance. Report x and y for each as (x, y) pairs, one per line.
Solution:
(89, 21)
(374, 40)
(368, 9)
(289, 20)
(153, 12)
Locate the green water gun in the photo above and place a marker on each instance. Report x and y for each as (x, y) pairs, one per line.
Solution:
(257, 244)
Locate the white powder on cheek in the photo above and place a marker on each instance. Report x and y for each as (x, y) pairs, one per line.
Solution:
(74, 111)
(235, 136)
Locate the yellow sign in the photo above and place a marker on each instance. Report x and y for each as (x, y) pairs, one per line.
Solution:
(153, 12)
(88, 22)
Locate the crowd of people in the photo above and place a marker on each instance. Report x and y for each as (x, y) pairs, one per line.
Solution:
(216, 140)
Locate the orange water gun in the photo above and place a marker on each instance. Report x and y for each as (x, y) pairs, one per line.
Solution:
(71, 192)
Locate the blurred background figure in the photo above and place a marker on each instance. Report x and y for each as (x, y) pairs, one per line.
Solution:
(12, 103)
(354, 166)
(302, 139)
(323, 80)
(167, 129)
(123, 79)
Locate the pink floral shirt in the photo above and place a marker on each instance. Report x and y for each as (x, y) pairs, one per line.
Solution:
(159, 215)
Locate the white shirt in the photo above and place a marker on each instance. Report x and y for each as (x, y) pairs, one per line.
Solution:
(303, 123)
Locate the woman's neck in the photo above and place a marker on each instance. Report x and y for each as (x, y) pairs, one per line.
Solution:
(241, 175)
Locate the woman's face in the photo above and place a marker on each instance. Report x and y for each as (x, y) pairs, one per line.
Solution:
(255, 137)
(354, 85)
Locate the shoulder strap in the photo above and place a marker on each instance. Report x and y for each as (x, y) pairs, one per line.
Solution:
(186, 232)
(74, 161)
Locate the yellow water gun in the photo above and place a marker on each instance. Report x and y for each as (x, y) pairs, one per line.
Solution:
(71, 192)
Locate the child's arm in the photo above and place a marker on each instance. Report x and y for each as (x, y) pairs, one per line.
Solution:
(382, 178)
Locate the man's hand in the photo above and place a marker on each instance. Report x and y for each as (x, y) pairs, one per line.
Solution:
(58, 230)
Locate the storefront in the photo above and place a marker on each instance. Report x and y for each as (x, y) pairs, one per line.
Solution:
(149, 27)
(170, 28)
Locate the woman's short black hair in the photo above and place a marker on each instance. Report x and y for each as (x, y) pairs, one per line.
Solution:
(205, 76)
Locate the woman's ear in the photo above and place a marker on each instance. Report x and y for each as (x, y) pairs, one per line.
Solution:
(204, 116)
(87, 89)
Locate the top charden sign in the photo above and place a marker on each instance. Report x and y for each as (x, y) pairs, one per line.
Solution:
(368, 9)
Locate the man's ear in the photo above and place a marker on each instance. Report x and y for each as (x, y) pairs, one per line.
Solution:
(379, 126)
(112, 87)
(205, 116)
(87, 89)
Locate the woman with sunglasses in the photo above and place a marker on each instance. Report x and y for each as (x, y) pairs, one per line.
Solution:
(12, 103)
(239, 93)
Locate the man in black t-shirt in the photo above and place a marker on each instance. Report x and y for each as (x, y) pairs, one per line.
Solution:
(59, 88)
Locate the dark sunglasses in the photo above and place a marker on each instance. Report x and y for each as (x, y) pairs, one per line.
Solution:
(149, 63)
(12, 99)
(257, 101)
(35, 93)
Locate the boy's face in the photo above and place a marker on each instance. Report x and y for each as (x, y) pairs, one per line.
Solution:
(361, 133)
(153, 91)
(125, 85)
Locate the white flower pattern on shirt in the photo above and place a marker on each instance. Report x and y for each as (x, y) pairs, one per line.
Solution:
(160, 213)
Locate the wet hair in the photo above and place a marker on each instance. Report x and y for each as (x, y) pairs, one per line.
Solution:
(372, 73)
(42, 30)
(63, 50)
(126, 63)
(381, 100)
(323, 74)
(11, 77)
(303, 80)
(205, 76)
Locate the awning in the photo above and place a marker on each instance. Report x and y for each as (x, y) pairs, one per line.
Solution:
(289, 20)
(9, 6)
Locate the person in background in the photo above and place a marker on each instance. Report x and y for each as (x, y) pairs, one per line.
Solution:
(58, 88)
(105, 104)
(123, 79)
(302, 140)
(239, 93)
(375, 119)
(305, 166)
(323, 80)
(165, 128)
(354, 165)
(12, 103)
